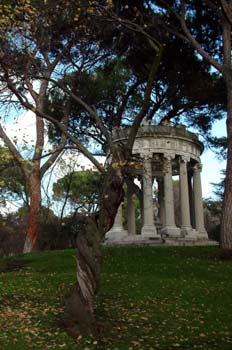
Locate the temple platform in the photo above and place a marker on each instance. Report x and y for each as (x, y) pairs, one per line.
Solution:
(138, 241)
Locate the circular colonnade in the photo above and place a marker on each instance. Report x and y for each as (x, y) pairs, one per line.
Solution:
(163, 152)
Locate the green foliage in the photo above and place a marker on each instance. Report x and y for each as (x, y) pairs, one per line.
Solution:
(186, 90)
(81, 188)
(162, 298)
(12, 181)
(220, 145)
(12, 234)
(105, 87)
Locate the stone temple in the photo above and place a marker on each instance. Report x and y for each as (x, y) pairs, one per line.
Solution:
(163, 152)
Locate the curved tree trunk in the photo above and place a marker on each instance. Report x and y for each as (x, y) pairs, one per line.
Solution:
(32, 233)
(80, 305)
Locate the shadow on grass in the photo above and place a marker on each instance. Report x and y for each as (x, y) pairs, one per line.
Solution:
(13, 265)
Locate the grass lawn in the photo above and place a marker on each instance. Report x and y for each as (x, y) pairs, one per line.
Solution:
(151, 298)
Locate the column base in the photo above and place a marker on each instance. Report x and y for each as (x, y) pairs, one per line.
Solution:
(149, 231)
(116, 234)
(131, 234)
(188, 232)
(202, 234)
(171, 231)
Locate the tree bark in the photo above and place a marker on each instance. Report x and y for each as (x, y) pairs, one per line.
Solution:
(32, 233)
(79, 316)
(226, 221)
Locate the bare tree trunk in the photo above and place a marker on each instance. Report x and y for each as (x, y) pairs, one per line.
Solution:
(80, 305)
(32, 234)
(226, 222)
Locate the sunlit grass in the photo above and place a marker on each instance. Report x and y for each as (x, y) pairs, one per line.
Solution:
(151, 298)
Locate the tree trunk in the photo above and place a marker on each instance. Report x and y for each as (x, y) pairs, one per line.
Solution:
(226, 222)
(79, 316)
(32, 233)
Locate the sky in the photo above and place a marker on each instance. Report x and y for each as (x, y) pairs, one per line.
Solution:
(212, 166)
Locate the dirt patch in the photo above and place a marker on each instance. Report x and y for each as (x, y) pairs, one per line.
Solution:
(13, 265)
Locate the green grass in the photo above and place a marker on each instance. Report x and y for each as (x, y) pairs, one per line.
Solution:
(150, 298)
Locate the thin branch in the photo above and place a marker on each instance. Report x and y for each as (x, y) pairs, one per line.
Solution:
(24, 102)
(90, 110)
(125, 100)
(147, 95)
(136, 28)
(17, 156)
(194, 42)
(58, 150)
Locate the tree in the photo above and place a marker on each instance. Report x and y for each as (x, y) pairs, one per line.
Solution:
(12, 184)
(64, 45)
(186, 90)
(206, 26)
(69, 54)
(33, 172)
(14, 63)
(79, 189)
(222, 62)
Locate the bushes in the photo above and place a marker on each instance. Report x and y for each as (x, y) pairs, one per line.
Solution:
(12, 235)
(54, 236)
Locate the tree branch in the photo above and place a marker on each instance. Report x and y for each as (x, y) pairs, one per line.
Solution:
(58, 150)
(24, 102)
(17, 156)
(147, 94)
(194, 42)
(227, 44)
(227, 9)
(39, 145)
(90, 110)
(125, 100)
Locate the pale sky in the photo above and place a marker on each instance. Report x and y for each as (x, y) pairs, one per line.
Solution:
(212, 166)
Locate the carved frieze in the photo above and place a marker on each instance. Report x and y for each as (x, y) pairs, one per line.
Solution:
(148, 145)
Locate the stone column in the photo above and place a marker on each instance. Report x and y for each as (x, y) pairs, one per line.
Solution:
(131, 226)
(198, 203)
(161, 200)
(191, 203)
(148, 229)
(186, 229)
(117, 231)
(169, 228)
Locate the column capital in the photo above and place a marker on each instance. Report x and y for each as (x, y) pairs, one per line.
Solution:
(197, 168)
(169, 156)
(184, 159)
(147, 157)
